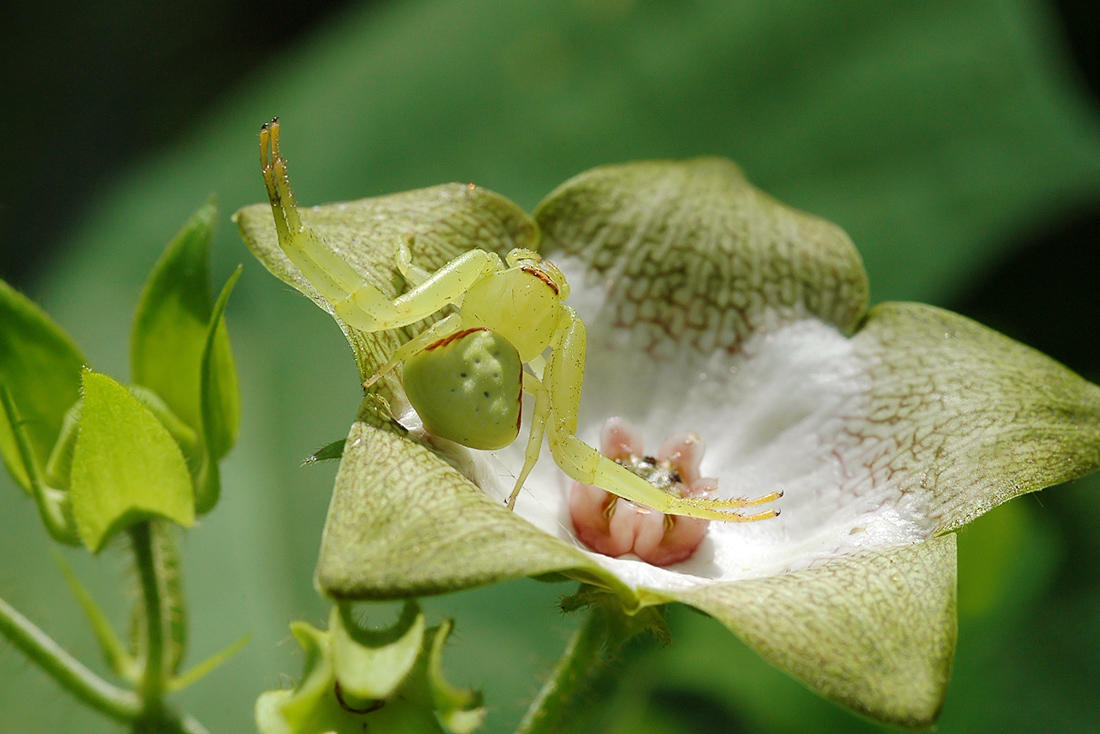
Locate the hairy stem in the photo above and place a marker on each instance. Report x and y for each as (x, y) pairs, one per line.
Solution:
(154, 679)
(587, 652)
(69, 673)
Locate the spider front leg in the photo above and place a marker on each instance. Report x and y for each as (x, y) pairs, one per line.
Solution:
(354, 300)
(563, 378)
(438, 331)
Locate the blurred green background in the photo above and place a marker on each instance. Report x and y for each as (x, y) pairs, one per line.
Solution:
(958, 142)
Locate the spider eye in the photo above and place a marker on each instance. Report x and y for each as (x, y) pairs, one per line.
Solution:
(519, 255)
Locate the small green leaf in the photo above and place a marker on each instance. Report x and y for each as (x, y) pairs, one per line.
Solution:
(220, 401)
(207, 666)
(334, 450)
(126, 466)
(183, 434)
(170, 324)
(40, 365)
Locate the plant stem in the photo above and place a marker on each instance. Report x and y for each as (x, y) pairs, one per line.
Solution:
(65, 669)
(153, 679)
(586, 652)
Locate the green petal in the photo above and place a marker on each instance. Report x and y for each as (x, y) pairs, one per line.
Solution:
(439, 223)
(126, 466)
(404, 522)
(695, 249)
(459, 709)
(40, 365)
(963, 418)
(372, 664)
(874, 632)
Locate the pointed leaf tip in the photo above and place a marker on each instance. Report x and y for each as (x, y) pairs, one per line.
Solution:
(126, 466)
(220, 401)
(171, 320)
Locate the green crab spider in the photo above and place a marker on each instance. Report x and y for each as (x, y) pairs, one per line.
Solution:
(465, 374)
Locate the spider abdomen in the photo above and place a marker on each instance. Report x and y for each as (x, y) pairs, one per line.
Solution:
(467, 388)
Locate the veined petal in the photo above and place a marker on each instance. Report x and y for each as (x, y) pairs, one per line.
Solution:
(875, 632)
(694, 256)
(404, 522)
(963, 418)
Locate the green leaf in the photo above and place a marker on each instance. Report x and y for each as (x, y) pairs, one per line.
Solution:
(328, 452)
(40, 365)
(874, 632)
(220, 401)
(702, 247)
(180, 350)
(967, 418)
(183, 434)
(439, 223)
(170, 324)
(126, 466)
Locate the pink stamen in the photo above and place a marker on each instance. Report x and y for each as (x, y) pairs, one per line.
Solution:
(615, 527)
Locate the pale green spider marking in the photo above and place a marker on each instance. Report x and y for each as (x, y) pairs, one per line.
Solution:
(464, 375)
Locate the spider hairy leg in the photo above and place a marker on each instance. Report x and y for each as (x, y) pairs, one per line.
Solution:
(534, 386)
(563, 378)
(356, 301)
(413, 274)
(320, 264)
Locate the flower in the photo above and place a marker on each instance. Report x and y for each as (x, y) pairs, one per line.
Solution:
(714, 309)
